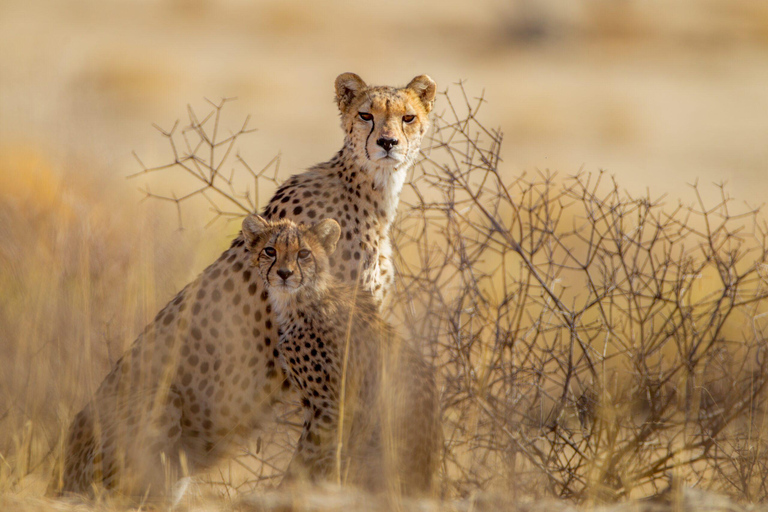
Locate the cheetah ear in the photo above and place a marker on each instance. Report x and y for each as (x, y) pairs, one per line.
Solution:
(347, 87)
(254, 228)
(327, 232)
(425, 88)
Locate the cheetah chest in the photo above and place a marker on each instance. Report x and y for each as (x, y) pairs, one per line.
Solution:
(310, 357)
(363, 253)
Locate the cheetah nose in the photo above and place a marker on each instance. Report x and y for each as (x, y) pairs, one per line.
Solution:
(284, 273)
(387, 143)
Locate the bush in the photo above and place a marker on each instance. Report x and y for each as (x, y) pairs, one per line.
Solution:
(589, 340)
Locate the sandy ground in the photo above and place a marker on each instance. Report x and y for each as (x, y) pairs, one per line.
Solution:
(342, 500)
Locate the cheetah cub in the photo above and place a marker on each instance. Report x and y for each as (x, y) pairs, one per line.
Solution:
(369, 399)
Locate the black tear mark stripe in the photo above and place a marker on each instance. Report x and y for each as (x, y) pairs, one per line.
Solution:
(269, 270)
(405, 136)
(373, 125)
(407, 143)
(298, 263)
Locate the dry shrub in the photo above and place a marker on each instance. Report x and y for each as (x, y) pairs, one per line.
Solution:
(209, 164)
(589, 343)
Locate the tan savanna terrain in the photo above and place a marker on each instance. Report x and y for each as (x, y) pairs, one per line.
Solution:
(658, 94)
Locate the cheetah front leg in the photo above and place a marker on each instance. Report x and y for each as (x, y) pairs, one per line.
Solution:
(153, 456)
(315, 458)
(126, 443)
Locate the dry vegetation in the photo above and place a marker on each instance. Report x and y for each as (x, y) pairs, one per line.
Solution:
(590, 345)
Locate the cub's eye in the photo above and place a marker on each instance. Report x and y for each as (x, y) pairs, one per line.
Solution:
(408, 119)
(365, 116)
(304, 253)
(271, 252)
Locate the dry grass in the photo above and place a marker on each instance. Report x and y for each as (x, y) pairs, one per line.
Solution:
(591, 345)
(78, 282)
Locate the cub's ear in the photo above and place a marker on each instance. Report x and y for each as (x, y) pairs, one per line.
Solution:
(347, 87)
(425, 88)
(254, 228)
(328, 232)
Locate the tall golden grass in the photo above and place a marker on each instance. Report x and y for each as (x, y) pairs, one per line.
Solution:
(82, 270)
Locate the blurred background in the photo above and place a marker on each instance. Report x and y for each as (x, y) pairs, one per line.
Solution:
(661, 94)
(658, 93)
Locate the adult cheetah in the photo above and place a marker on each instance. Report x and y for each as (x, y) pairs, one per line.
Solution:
(370, 400)
(206, 370)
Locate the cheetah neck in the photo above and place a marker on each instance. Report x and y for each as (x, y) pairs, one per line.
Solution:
(303, 301)
(382, 183)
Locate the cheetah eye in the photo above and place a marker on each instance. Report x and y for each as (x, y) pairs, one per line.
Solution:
(270, 251)
(365, 116)
(304, 253)
(409, 118)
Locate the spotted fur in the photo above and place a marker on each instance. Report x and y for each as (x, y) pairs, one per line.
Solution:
(341, 356)
(206, 371)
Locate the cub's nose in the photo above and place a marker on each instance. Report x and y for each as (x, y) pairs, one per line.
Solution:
(284, 273)
(387, 143)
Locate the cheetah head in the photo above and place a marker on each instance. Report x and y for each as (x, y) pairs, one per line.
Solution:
(384, 125)
(291, 257)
